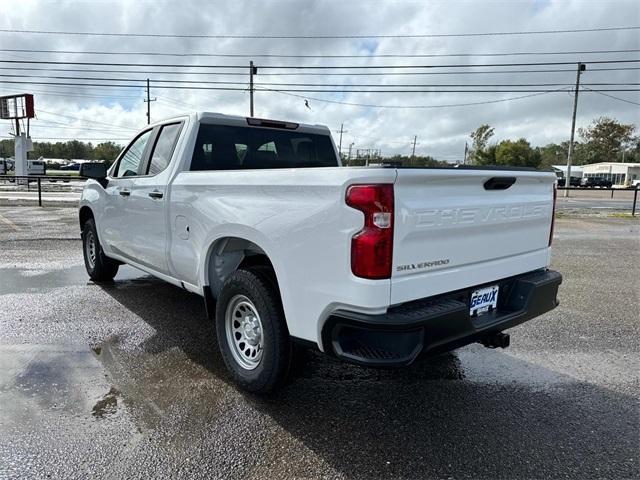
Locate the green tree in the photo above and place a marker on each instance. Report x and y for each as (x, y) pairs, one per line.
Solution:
(107, 151)
(6, 148)
(517, 154)
(606, 139)
(552, 154)
(479, 142)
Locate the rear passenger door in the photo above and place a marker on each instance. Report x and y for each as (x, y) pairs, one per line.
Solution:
(148, 217)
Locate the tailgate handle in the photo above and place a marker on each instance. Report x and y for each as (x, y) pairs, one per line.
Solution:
(499, 183)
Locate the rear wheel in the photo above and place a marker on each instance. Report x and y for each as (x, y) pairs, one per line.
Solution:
(99, 267)
(252, 332)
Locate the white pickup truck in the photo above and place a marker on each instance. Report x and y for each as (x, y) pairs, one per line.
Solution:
(375, 266)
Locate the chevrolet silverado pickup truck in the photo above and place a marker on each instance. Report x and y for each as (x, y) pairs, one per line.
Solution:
(372, 265)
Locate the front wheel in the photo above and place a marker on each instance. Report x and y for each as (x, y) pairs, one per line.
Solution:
(99, 267)
(252, 332)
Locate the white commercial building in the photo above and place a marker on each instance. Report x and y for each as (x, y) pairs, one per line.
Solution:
(561, 170)
(620, 174)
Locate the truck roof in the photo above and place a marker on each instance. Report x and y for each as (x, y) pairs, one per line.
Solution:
(237, 120)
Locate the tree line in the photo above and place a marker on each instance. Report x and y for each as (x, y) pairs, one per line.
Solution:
(604, 140)
(73, 149)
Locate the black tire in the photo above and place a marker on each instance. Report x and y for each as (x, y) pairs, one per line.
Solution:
(99, 267)
(253, 288)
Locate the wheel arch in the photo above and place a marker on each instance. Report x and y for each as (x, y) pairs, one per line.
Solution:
(85, 214)
(227, 254)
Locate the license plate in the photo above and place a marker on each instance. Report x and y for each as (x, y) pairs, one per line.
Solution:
(483, 300)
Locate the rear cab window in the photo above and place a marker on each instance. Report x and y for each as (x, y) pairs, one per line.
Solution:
(222, 147)
(163, 149)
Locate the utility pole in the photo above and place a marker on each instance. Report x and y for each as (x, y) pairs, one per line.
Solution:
(350, 147)
(581, 68)
(148, 102)
(466, 152)
(413, 152)
(252, 71)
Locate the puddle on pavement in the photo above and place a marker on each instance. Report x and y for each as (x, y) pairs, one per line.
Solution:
(107, 405)
(39, 380)
(472, 364)
(17, 280)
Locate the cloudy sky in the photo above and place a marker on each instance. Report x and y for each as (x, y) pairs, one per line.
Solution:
(99, 112)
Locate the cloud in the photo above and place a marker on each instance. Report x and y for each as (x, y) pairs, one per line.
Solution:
(441, 131)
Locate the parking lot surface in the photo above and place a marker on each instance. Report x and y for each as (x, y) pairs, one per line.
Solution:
(124, 380)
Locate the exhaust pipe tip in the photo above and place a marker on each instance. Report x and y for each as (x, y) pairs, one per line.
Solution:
(496, 340)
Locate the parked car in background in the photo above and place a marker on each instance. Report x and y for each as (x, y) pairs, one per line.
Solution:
(596, 182)
(372, 265)
(73, 167)
(575, 182)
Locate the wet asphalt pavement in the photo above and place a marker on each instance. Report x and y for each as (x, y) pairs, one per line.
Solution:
(124, 380)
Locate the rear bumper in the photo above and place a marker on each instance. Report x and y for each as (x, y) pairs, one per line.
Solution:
(437, 324)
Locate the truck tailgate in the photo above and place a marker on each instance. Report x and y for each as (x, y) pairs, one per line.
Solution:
(452, 232)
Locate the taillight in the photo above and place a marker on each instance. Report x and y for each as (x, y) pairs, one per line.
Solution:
(372, 247)
(553, 212)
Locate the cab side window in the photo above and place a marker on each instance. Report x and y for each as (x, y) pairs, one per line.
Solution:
(130, 161)
(163, 149)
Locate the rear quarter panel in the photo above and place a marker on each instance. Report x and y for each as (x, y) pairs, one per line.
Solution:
(298, 217)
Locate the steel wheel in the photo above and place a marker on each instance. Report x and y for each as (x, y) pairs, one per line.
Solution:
(244, 332)
(90, 248)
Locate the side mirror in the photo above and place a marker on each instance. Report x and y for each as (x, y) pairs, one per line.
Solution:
(97, 171)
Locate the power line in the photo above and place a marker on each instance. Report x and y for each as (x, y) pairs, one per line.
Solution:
(450, 65)
(177, 87)
(85, 120)
(416, 106)
(612, 96)
(37, 125)
(108, 139)
(51, 124)
(303, 90)
(271, 84)
(320, 67)
(56, 93)
(275, 55)
(286, 37)
(242, 74)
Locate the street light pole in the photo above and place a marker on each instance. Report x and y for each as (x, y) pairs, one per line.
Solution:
(252, 71)
(581, 68)
(349, 157)
(148, 102)
(341, 131)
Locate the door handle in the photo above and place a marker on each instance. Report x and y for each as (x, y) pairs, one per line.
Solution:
(124, 193)
(156, 194)
(499, 183)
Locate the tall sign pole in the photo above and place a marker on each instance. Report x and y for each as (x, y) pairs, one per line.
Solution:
(16, 108)
(581, 68)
